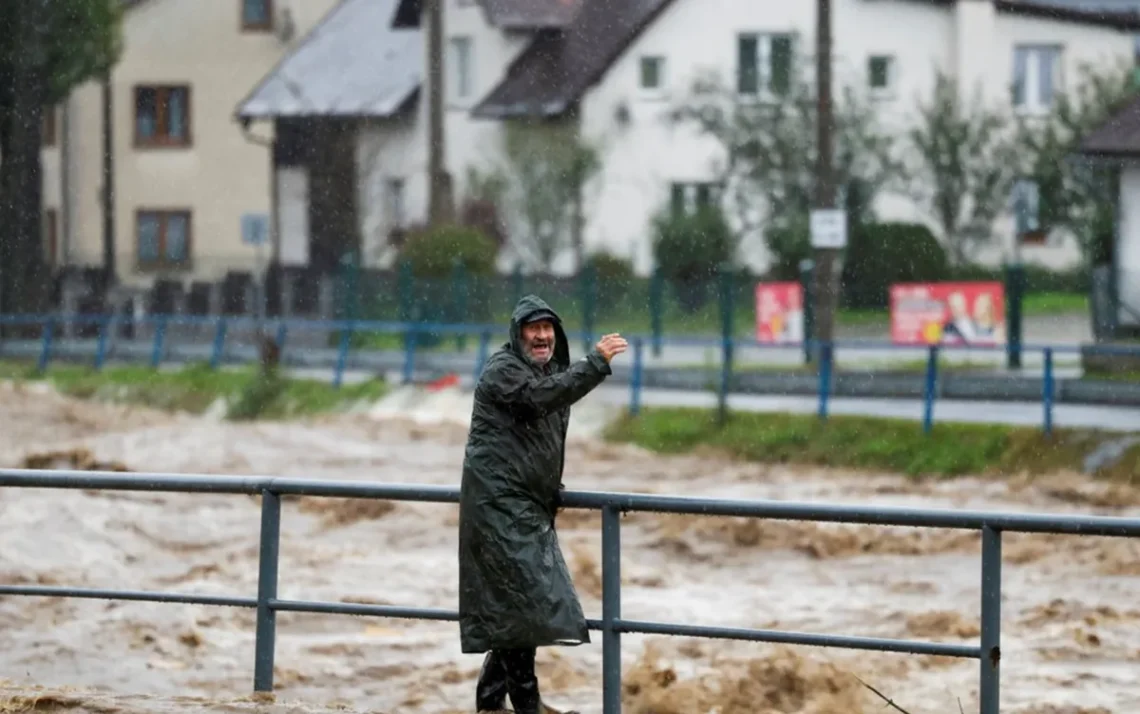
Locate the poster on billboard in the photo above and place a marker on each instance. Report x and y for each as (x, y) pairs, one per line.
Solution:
(779, 313)
(948, 314)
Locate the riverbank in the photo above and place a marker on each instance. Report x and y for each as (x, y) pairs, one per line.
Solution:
(891, 445)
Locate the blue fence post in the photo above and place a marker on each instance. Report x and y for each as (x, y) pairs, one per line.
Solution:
(282, 335)
(1047, 388)
(159, 339)
(826, 354)
(266, 638)
(105, 324)
(988, 690)
(635, 378)
(611, 610)
(342, 357)
(45, 348)
(930, 390)
(481, 355)
(219, 343)
(413, 334)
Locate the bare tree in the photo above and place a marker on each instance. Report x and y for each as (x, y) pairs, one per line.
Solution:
(964, 168)
(770, 149)
(540, 185)
(1071, 191)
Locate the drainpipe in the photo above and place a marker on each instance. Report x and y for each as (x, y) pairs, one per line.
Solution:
(65, 184)
(108, 186)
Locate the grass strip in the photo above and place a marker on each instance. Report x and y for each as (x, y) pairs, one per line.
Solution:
(892, 445)
(247, 393)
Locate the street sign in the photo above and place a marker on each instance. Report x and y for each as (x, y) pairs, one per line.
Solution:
(829, 228)
(255, 229)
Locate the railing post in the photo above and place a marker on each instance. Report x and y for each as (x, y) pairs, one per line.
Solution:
(101, 345)
(219, 343)
(159, 339)
(481, 356)
(988, 690)
(282, 335)
(930, 390)
(45, 349)
(1047, 388)
(825, 359)
(611, 610)
(266, 591)
(342, 357)
(635, 378)
(413, 334)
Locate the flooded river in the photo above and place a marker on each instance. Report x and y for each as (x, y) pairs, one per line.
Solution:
(1071, 607)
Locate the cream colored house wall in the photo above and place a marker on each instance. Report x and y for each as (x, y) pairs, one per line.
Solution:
(219, 177)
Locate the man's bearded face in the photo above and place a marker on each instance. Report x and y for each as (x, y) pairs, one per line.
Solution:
(538, 341)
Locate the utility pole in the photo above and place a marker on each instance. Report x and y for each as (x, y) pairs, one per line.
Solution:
(828, 228)
(441, 208)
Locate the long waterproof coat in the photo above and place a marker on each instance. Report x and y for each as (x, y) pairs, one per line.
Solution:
(514, 587)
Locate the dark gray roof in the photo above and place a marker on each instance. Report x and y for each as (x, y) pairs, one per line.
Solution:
(1117, 137)
(506, 14)
(557, 68)
(352, 64)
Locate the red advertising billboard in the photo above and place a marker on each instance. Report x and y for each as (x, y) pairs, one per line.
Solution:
(779, 313)
(948, 313)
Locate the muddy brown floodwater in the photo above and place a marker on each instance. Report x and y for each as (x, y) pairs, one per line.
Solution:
(1071, 606)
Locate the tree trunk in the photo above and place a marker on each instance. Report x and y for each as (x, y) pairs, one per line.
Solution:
(27, 279)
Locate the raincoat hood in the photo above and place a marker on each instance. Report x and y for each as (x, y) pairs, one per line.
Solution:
(527, 308)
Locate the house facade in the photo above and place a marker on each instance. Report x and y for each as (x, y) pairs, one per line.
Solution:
(191, 190)
(1117, 144)
(616, 70)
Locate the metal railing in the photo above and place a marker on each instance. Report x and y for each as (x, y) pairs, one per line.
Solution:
(215, 332)
(612, 505)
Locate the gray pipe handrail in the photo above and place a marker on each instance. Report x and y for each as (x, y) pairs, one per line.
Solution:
(612, 505)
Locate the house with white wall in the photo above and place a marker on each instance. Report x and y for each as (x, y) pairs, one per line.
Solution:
(186, 181)
(615, 68)
(1116, 143)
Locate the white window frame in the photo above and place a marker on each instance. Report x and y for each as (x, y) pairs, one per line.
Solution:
(1025, 202)
(1028, 93)
(460, 77)
(887, 91)
(662, 67)
(763, 60)
(689, 191)
(395, 202)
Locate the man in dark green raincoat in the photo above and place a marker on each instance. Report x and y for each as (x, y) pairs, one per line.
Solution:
(515, 591)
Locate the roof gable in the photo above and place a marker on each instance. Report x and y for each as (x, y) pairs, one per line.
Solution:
(505, 14)
(352, 64)
(559, 67)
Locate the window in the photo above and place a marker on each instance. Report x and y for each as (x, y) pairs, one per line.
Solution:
(687, 198)
(51, 236)
(1027, 211)
(257, 15)
(50, 129)
(459, 60)
(1036, 76)
(764, 64)
(394, 211)
(652, 74)
(162, 116)
(163, 239)
(880, 73)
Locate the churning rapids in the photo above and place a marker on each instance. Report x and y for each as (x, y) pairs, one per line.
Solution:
(1071, 618)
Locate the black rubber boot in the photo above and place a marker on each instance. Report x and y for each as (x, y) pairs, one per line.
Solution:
(491, 690)
(522, 682)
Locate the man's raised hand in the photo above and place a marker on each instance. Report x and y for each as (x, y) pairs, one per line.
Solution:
(611, 346)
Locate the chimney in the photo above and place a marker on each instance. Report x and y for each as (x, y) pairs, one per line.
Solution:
(974, 35)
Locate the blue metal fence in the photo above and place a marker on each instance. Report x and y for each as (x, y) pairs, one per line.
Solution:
(412, 332)
(612, 625)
